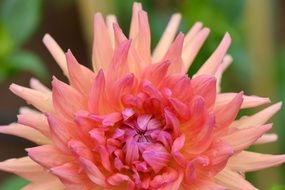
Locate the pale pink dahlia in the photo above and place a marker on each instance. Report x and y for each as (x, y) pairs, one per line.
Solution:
(138, 121)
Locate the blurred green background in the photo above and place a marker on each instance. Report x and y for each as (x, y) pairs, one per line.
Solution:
(257, 28)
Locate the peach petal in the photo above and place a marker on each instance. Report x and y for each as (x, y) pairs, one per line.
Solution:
(213, 62)
(192, 48)
(233, 180)
(246, 161)
(243, 138)
(56, 52)
(111, 20)
(166, 38)
(259, 118)
(24, 167)
(35, 120)
(193, 31)
(227, 60)
(134, 28)
(267, 138)
(102, 46)
(248, 101)
(40, 100)
(25, 132)
(37, 85)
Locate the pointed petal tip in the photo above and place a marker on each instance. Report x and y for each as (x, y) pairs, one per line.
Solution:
(47, 37)
(15, 88)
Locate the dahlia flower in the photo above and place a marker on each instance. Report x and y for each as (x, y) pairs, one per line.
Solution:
(137, 121)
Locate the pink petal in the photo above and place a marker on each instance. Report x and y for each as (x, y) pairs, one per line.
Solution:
(117, 179)
(48, 156)
(226, 115)
(119, 35)
(93, 172)
(174, 54)
(205, 86)
(81, 78)
(132, 150)
(97, 93)
(74, 99)
(156, 156)
(119, 63)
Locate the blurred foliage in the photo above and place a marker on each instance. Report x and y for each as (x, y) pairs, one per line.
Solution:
(18, 21)
(13, 183)
(278, 187)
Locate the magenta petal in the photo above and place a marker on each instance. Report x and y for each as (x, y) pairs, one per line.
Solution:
(156, 156)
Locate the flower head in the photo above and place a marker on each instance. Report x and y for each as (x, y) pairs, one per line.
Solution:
(137, 121)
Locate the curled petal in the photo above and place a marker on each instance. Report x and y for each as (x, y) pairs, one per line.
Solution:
(93, 172)
(156, 156)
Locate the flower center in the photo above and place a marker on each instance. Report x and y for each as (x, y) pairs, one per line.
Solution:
(144, 144)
